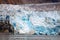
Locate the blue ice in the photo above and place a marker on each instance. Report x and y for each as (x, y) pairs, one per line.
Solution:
(40, 22)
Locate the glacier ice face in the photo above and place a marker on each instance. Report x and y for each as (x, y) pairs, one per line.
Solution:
(30, 22)
(40, 22)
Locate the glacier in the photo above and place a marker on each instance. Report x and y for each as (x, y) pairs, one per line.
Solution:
(26, 21)
(38, 22)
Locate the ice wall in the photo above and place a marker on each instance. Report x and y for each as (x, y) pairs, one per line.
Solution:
(33, 22)
(37, 22)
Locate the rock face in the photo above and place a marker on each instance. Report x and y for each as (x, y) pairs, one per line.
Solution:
(28, 20)
(27, 1)
(5, 25)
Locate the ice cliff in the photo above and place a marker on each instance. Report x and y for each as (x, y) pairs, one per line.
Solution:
(34, 22)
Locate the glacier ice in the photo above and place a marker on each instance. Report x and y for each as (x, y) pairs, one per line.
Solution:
(41, 22)
(36, 22)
